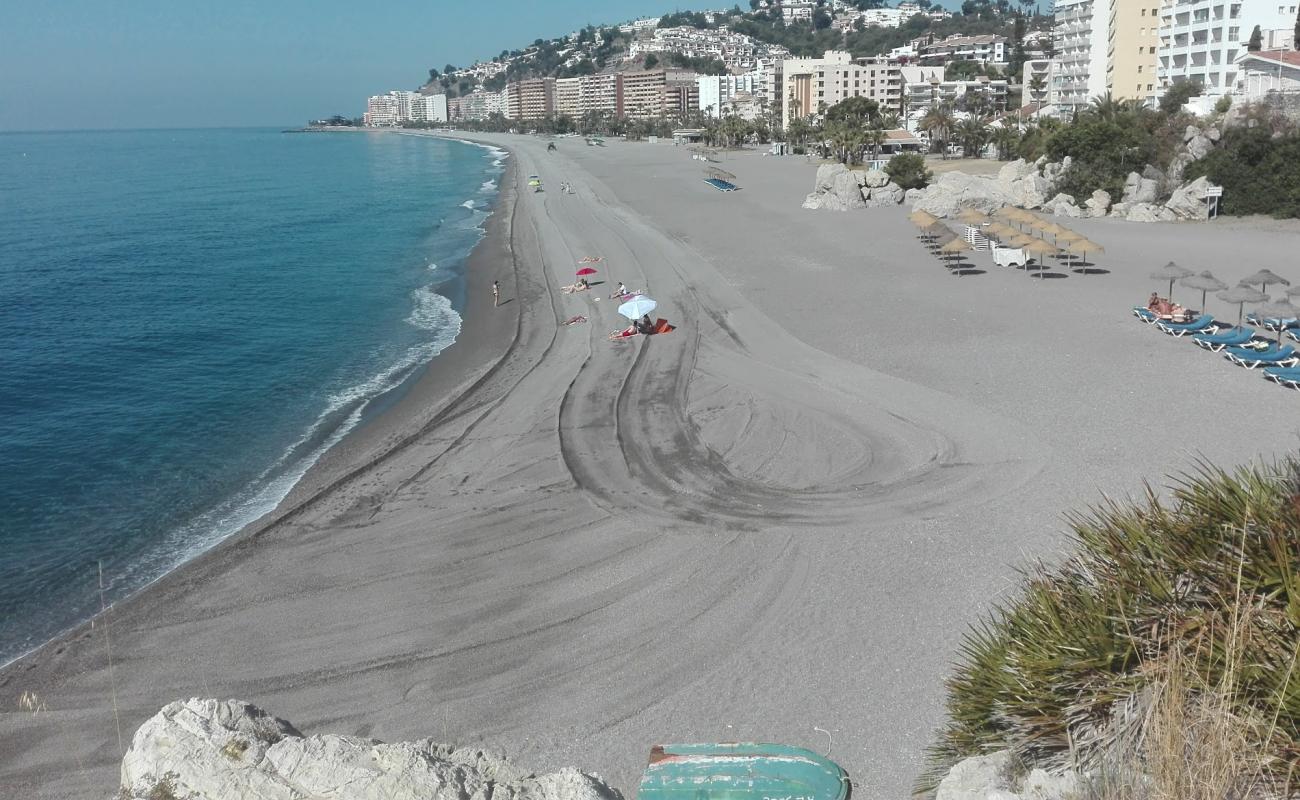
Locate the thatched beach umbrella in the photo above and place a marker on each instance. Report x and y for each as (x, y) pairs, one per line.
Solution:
(1040, 250)
(1023, 239)
(1242, 294)
(1001, 230)
(1206, 282)
(1082, 247)
(972, 216)
(1264, 278)
(1282, 311)
(922, 217)
(1170, 272)
(954, 247)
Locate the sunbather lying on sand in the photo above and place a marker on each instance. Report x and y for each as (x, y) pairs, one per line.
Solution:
(580, 286)
(626, 333)
(574, 320)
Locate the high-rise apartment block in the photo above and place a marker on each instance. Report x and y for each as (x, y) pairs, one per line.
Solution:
(812, 85)
(1080, 37)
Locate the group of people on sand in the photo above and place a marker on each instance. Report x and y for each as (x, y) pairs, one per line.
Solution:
(1165, 308)
(580, 286)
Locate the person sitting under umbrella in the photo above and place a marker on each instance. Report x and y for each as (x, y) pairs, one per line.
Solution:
(644, 326)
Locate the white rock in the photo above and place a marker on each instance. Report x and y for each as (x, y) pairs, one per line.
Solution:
(1040, 784)
(1188, 200)
(813, 200)
(1119, 210)
(1138, 189)
(976, 778)
(845, 185)
(826, 176)
(1063, 206)
(1199, 147)
(213, 750)
(874, 178)
(1190, 133)
(1098, 204)
(1149, 212)
(913, 196)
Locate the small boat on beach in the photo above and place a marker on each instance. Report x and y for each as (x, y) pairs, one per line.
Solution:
(741, 771)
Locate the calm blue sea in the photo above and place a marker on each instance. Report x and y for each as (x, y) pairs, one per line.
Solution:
(188, 319)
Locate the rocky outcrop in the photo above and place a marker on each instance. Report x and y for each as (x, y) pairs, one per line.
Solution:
(1098, 204)
(215, 749)
(875, 178)
(1063, 206)
(890, 194)
(1186, 203)
(992, 777)
(1018, 183)
(838, 188)
(1139, 189)
(1148, 212)
(1188, 200)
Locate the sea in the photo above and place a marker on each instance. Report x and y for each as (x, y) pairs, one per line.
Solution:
(188, 320)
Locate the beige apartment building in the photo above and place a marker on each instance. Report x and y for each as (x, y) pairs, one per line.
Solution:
(1133, 34)
(568, 97)
(530, 99)
(812, 85)
(640, 94)
(599, 93)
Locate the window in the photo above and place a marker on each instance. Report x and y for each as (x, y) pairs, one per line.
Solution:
(1144, 13)
(1139, 68)
(1151, 50)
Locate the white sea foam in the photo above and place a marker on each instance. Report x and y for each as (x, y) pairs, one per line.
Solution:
(488, 186)
(467, 204)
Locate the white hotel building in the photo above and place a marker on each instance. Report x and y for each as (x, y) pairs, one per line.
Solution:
(1080, 36)
(1201, 40)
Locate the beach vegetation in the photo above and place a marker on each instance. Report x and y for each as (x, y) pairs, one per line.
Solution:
(1176, 96)
(1165, 646)
(908, 171)
(1258, 170)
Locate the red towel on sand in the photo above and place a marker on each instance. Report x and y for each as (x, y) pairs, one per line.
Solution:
(662, 326)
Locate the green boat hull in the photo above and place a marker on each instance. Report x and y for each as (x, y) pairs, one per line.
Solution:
(744, 771)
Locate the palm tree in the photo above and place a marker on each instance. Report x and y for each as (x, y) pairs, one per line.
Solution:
(876, 137)
(973, 134)
(847, 140)
(890, 121)
(1036, 86)
(798, 131)
(1006, 139)
(939, 123)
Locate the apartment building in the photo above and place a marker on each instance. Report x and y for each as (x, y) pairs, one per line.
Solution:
(598, 93)
(429, 108)
(681, 93)
(986, 49)
(812, 85)
(797, 10)
(925, 87)
(1042, 69)
(718, 93)
(529, 99)
(568, 97)
(1132, 37)
(1080, 38)
(1201, 40)
(392, 109)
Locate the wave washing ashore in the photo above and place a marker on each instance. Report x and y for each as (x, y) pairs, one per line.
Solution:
(190, 319)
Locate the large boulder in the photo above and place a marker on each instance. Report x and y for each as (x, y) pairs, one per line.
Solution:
(847, 186)
(891, 194)
(1188, 200)
(1016, 170)
(1199, 147)
(1062, 205)
(953, 191)
(875, 178)
(1098, 204)
(213, 750)
(1139, 189)
(913, 196)
(977, 778)
(1149, 212)
(826, 176)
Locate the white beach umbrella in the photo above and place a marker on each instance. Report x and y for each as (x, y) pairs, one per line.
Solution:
(637, 307)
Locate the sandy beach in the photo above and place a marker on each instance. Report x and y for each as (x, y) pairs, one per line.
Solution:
(772, 524)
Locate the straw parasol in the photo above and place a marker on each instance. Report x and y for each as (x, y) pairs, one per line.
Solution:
(1242, 294)
(1082, 247)
(972, 216)
(1264, 278)
(955, 247)
(1040, 249)
(1067, 235)
(1170, 272)
(1282, 311)
(1001, 230)
(922, 218)
(1206, 282)
(1023, 239)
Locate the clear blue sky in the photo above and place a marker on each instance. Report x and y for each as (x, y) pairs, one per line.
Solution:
(67, 64)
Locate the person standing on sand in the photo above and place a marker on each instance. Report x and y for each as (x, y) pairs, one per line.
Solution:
(496, 293)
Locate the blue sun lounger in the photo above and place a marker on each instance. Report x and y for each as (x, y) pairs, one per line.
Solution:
(721, 185)
(1233, 337)
(1202, 324)
(1272, 323)
(1284, 376)
(1244, 357)
(1145, 314)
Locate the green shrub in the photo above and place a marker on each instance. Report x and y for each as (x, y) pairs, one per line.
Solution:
(1259, 174)
(1223, 104)
(1102, 152)
(908, 171)
(1209, 582)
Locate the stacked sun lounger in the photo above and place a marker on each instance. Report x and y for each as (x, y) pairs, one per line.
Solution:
(721, 185)
(976, 239)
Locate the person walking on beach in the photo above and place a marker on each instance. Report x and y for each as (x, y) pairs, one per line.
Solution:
(496, 293)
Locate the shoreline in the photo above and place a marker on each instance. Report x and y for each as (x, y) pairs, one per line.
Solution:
(420, 396)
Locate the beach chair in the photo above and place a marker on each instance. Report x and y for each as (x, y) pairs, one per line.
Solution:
(1145, 314)
(1284, 376)
(1233, 337)
(1272, 324)
(1250, 359)
(1202, 324)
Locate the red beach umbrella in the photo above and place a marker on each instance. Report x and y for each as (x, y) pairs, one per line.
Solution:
(586, 271)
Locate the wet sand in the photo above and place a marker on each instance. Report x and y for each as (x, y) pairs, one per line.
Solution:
(777, 519)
